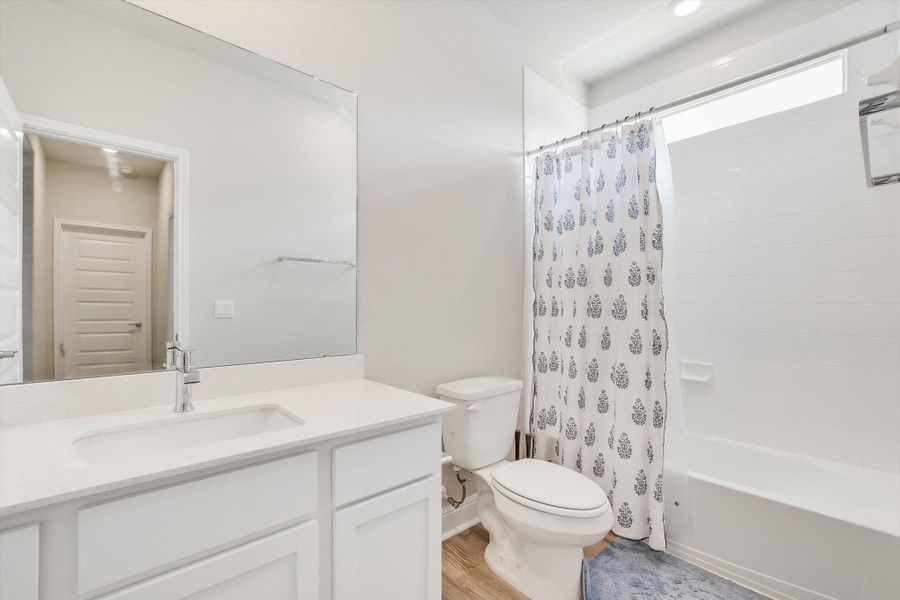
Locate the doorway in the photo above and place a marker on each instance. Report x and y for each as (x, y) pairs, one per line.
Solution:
(100, 256)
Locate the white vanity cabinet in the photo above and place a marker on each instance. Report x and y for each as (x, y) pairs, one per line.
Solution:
(389, 547)
(349, 517)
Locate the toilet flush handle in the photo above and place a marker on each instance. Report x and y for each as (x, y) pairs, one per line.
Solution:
(474, 407)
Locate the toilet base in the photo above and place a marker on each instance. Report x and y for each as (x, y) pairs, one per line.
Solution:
(540, 572)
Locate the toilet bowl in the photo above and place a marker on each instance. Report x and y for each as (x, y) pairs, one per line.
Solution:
(539, 515)
(535, 546)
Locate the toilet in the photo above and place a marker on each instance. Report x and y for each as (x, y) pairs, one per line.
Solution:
(539, 515)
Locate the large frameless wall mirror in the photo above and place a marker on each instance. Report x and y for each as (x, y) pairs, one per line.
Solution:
(162, 185)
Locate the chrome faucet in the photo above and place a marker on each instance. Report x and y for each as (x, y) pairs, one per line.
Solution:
(185, 376)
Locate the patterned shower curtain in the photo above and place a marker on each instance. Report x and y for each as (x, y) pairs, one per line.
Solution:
(599, 403)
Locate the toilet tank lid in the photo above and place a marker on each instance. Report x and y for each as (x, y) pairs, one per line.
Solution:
(478, 388)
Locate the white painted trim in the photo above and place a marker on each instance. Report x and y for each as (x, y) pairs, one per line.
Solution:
(58, 226)
(87, 136)
(457, 520)
(753, 580)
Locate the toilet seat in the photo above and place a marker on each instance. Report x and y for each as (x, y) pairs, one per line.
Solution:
(550, 488)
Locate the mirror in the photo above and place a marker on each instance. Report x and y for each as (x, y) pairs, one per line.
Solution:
(173, 187)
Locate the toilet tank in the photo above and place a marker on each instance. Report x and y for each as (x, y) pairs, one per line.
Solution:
(480, 431)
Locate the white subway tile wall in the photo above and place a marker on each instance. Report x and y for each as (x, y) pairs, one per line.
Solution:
(786, 267)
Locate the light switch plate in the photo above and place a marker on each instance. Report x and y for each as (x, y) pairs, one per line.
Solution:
(223, 309)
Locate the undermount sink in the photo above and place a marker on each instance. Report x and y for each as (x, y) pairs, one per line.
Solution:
(125, 444)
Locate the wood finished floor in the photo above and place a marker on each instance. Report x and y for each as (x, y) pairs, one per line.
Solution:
(466, 576)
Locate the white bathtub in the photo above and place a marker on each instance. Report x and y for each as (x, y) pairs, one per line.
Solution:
(789, 526)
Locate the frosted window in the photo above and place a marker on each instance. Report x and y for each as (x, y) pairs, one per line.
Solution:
(786, 91)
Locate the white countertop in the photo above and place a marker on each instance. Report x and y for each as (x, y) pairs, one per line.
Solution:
(33, 458)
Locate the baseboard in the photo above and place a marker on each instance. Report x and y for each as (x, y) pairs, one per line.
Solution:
(456, 520)
(753, 580)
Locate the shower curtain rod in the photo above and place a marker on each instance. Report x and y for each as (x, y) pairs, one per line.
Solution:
(788, 64)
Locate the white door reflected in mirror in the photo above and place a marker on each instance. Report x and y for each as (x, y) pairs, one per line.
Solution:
(103, 297)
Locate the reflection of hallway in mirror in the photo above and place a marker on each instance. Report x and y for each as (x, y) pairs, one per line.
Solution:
(97, 260)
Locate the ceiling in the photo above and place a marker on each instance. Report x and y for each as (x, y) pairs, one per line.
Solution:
(93, 156)
(592, 40)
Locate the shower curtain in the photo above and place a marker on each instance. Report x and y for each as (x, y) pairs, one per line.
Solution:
(600, 339)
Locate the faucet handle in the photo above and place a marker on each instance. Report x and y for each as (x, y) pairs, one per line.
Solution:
(187, 357)
(179, 357)
(172, 349)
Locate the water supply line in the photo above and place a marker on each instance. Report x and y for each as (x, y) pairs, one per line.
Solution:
(462, 482)
(446, 459)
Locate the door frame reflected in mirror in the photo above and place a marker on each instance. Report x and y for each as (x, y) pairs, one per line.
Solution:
(179, 157)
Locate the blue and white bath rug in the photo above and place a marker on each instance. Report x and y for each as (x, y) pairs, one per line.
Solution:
(627, 570)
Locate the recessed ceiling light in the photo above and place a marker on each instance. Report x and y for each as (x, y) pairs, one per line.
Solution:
(683, 8)
(110, 150)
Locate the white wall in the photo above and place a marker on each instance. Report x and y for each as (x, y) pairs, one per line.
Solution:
(440, 180)
(551, 113)
(83, 193)
(787, 268)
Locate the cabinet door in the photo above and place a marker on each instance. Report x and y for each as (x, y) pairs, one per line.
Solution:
(282, 566)
(389, 547)
(19, 563)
